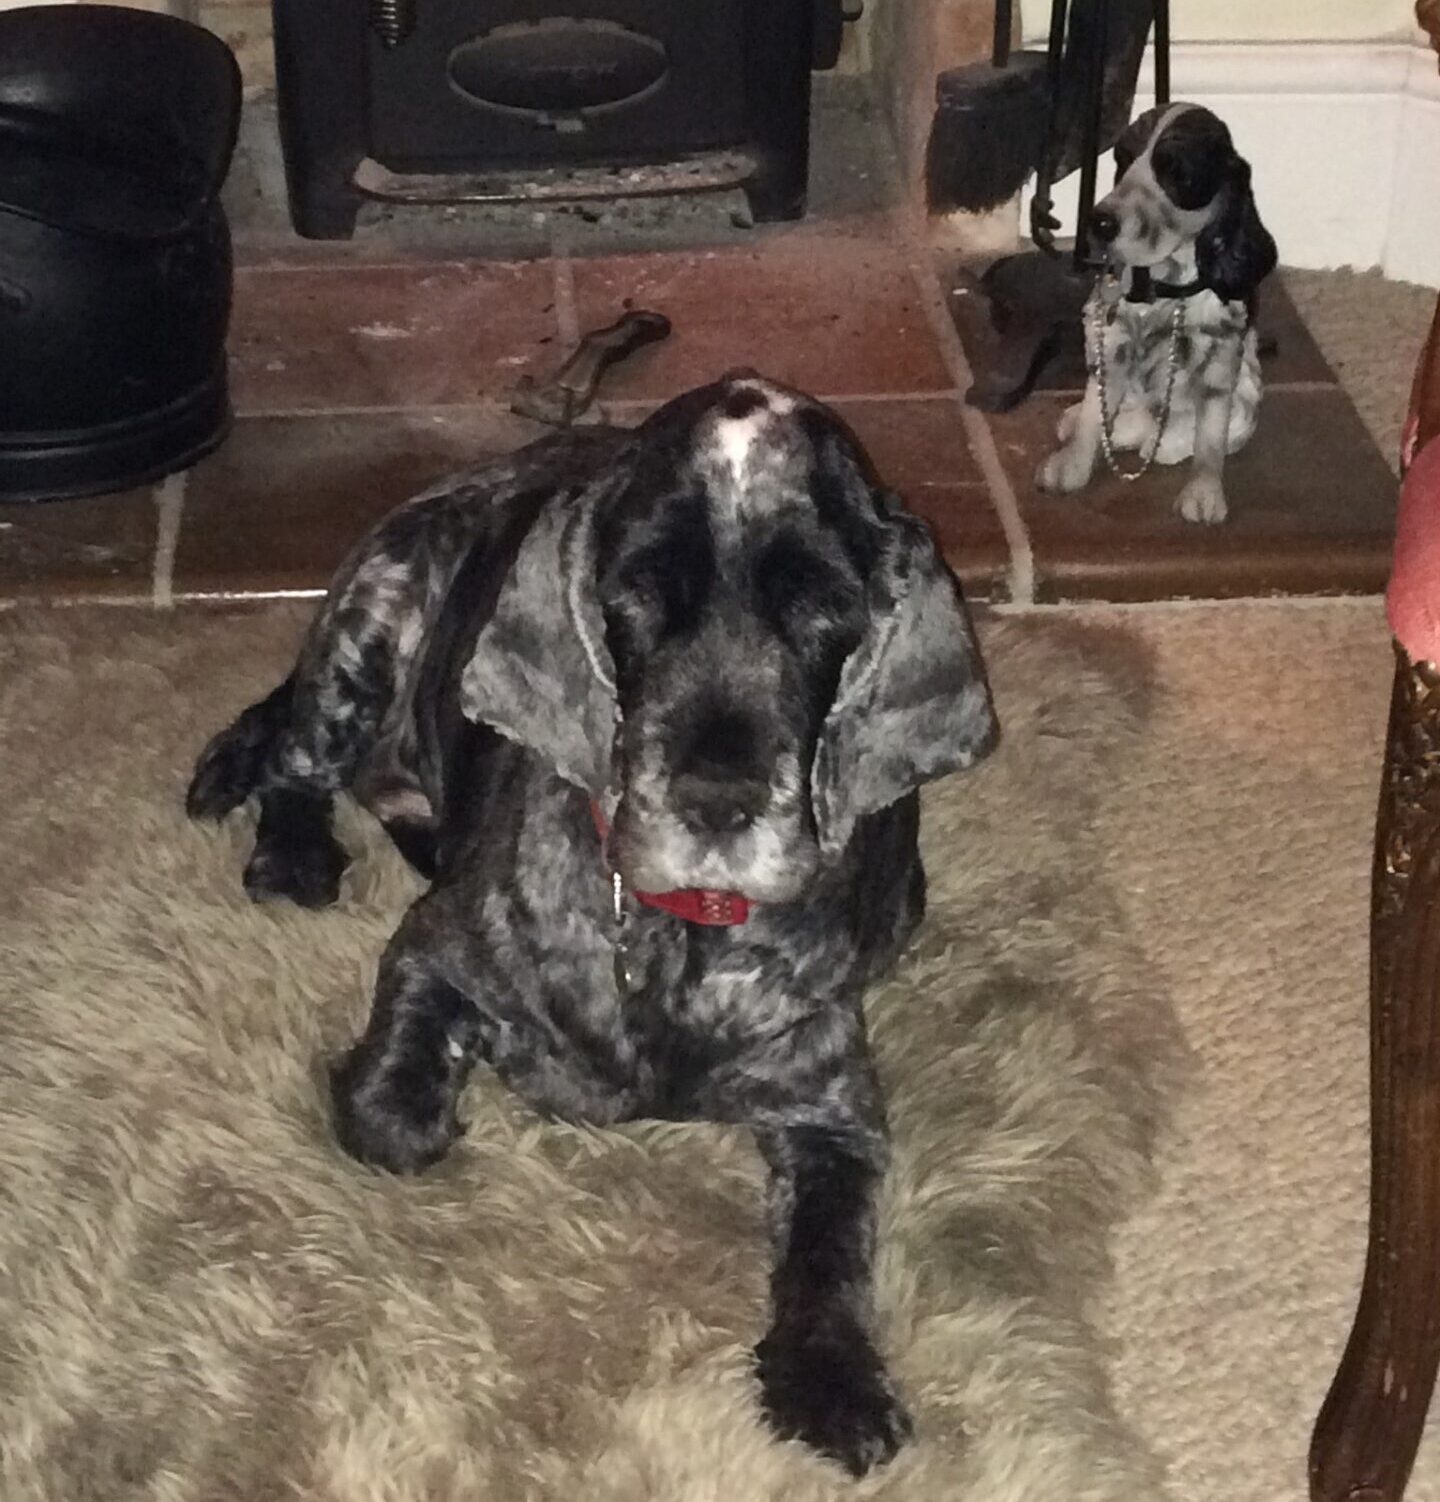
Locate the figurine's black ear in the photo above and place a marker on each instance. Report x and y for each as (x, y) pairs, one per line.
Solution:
(1134, 139)
(1234, 253)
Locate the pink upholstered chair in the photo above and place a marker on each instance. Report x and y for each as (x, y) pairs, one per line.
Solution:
(1370, 1426)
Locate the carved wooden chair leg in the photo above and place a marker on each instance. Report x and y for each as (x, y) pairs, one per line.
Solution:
(1370, 1425)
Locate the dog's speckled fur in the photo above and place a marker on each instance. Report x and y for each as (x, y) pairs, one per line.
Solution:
(721, 630)
(1182, 211)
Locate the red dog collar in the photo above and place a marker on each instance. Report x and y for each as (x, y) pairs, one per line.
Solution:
(705, 905)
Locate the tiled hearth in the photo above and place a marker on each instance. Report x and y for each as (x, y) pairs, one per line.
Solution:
(1311, 498)
(364, 370)
(360, 377)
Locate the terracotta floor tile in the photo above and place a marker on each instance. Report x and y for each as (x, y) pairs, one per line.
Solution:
(279, 506)
(969, 535)
(332, 337)
(1311, 510)
(914, 442)
(911, 439)
(832, 315)
(100, 548)
(918, 448)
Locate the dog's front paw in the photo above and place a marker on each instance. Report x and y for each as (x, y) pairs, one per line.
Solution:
(307, 874)
(1064, 472)
(1202, 500)
(396, 1108)
(830, 1390)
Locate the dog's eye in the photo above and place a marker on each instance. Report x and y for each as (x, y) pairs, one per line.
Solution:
(804, 596)
(668, 585)
(660, 589)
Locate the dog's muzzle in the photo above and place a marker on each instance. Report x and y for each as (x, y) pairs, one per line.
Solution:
(709, 906)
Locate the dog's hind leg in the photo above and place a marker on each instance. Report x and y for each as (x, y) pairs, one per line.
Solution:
(232, 766)
(301, 746)
(296, 855)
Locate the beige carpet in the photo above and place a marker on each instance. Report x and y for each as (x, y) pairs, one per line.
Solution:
(1239, 839)
(1371, 330)
(205, 1302)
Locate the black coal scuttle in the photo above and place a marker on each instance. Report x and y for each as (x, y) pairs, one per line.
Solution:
(116, 130)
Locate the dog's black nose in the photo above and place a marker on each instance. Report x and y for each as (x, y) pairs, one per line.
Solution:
(713, 805)
(1104, 225)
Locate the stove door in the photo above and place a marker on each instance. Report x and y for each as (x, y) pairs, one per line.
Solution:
(501, 83)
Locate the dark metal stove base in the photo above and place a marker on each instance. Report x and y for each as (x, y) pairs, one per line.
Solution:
(711, 173)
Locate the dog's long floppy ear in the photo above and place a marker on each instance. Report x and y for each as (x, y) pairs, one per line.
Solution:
(1234, 253)
(913, 703)
(1134, 139)
(541, 673)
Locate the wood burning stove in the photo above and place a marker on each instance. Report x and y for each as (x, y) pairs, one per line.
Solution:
(448, 101)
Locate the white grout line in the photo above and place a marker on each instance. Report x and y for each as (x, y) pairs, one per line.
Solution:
(498, 404)
(76, 602)
(977, 429)
(169, 509)
(830, 398)
(567, 318)
(1002, 493)
(253, 596)
(1369, 602)
(360, 263)
(480, 404)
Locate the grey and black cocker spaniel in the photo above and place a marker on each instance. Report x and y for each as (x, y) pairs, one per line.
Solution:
(650, 708)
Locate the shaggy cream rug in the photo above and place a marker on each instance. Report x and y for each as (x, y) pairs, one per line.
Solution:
(204, 1301)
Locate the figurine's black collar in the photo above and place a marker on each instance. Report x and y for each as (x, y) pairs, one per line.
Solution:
(1145, 288)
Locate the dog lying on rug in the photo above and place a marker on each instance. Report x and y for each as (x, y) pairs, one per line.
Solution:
(650, 709)
(1174, 371)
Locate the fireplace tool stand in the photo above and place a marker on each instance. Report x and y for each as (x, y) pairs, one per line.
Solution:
(1035, 297)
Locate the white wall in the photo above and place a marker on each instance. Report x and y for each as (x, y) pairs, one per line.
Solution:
(1267, 20)
(1336, 105)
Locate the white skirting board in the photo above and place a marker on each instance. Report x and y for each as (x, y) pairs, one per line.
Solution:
(1343, 138)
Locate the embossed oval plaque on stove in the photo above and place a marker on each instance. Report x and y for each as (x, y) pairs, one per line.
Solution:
(559, 67)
